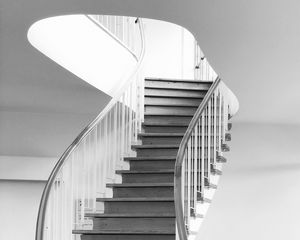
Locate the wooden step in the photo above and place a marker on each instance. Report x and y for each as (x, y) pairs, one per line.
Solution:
(151, 163)
(174, 80)
(142, 189)
(131, 215)
(167, 101)
(128, 237)
(147, 176)
(176, 84)
(173, 110)
(125, 232)
(134, 223)
(169, 92)
(138, 205)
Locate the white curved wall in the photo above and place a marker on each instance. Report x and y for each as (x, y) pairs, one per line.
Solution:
(258, 196)
(80, 46)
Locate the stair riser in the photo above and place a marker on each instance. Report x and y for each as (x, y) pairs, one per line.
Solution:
(170, 110)
(157, 129)
(148, 178)
(168, 119)
(174, 93)
(151, 165)
(161, 140)
(139, 207)
(156, 152)
(140, 224)
(143, 191)
(128, 237)
(173, 101)
(175, 84)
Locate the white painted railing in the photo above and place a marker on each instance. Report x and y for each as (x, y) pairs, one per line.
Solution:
(90, 162)
(198, 158)
(203, 70)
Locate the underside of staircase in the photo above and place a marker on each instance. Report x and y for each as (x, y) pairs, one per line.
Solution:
(142, 206)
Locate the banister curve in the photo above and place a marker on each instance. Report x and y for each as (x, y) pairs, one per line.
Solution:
(62, 160)
(181, 227)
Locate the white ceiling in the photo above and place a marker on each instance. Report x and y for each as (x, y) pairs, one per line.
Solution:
(253, 45)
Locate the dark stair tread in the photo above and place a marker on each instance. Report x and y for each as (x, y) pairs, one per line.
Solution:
(163, 158)
(127, 232)
(163, 124)
(150, 146)
(177, 80)
(137, 199)
(168, 114)
(145, 171)
(171, 96)
(177, 88)
(161, 134)
(131, 215)
(139, 185)
(171, 105)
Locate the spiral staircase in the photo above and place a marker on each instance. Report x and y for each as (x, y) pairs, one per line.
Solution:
(147, 166)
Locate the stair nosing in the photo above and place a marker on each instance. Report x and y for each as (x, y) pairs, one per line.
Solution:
(177, 80)
(166, 158)
(136, 199)
(139, 185)
(131, 215)
(172, 96)
(163, 171)
(150, 146)
(170, 105)
(161, 134)
(123, 232)
(176, 88)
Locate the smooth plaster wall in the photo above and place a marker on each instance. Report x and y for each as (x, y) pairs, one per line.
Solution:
(19, 202)
(258, 195)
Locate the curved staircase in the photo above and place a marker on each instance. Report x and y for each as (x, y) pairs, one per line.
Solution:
(146, 167)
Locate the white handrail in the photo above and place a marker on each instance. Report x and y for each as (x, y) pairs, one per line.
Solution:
(199, 156)
(81, 174)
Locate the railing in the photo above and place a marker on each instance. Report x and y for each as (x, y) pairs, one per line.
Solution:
(198, 154)
(121, 28)
(203, 70)
(81, 174)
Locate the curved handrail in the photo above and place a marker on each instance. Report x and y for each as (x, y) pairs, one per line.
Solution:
(178, 191)
(78, 140)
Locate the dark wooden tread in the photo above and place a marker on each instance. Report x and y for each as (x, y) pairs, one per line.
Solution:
(177, 88)
(171, 96)
(136, 199)
(171, 105)
(161, 134)
(164, 171)
(177, 80)
(124, 232)
(163, 158)
(139, 185)
(169, 114)
(153, 146)
(131, 215)
(163, 124)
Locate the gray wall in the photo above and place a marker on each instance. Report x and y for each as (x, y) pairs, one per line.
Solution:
(258, 195)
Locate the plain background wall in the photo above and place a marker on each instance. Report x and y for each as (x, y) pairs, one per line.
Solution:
(169, 50)
(19, 202)
(258, 195)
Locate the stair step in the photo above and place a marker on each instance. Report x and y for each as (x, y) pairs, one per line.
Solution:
(142, 176)
(139, 205)
(172, 101)
(170, 110)
(169, 135)
(137, 199)
(128, 237)
(124, 232)
(134, 224)
(172, 92)
(131, 215)
(174, 80)
(158, 158)
(142, 189)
